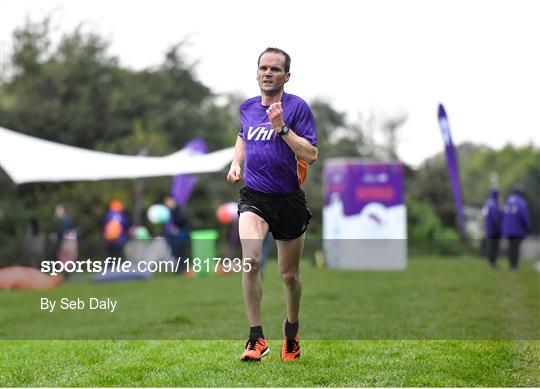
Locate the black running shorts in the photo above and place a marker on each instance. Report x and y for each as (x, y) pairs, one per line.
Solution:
(287, 214)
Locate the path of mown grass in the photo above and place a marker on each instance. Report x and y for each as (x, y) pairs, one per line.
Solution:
(324, 363)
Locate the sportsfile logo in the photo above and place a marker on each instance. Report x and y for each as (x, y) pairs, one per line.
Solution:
(119, 265)
(260, 133)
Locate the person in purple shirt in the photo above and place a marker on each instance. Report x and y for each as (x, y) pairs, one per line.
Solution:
(516, 224)
(276, 142)
(492, 226)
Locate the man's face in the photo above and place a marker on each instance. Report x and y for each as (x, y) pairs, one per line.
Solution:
(59, 211)
(271, 73)
(169, 202)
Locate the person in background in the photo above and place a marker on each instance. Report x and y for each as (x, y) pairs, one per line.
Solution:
(116, 224)
(492, 226)
(34, 244)
(66, 247)
(516, 224)
(177, 230)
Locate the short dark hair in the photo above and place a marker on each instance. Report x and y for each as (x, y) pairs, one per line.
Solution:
(278, 51)
(166, 196)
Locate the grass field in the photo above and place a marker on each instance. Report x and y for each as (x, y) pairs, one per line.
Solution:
(439, 323)
(324, 363)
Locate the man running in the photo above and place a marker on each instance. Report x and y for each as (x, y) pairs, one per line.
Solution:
(276, 141)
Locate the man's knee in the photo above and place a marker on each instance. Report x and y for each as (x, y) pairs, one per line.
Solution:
(252, 264)
(290, 277)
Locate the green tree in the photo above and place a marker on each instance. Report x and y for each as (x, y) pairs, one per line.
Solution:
(76, 93)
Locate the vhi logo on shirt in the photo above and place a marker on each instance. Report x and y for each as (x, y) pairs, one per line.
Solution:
(259, 133)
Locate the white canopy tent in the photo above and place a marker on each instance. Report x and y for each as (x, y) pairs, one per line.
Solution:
(28, 159)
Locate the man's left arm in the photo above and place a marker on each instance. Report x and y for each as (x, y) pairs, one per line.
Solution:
(300, 146)
(526, 217)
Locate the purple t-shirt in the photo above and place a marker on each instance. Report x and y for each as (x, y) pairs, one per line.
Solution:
(270, 164)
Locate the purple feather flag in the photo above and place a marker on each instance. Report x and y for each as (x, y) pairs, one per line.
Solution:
(453, 169)
(182, 185)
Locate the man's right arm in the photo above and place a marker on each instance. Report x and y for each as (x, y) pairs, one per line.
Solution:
(235, 172)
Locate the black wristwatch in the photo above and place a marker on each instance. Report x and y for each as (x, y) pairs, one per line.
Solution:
(284, 131)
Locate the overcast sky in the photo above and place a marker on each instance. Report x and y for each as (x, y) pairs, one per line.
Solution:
(480, 58)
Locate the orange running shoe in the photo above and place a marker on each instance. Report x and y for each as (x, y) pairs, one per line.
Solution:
(256, 348)
(290, 349)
